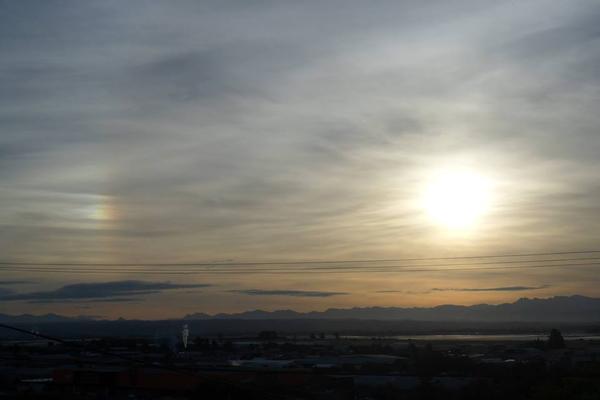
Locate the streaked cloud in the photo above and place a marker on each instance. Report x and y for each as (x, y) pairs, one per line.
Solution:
(103, 291)
(389, 291)
(192, 131)
(292, 293)
(85, 301)
(402, 291)
(492, 289)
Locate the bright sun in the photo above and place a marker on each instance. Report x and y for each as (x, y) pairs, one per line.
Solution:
(457, 199)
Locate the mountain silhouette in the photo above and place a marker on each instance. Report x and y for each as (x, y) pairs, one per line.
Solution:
(38, 319)
(574, 308)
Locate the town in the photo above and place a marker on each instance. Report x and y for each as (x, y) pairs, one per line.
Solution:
(314, 366)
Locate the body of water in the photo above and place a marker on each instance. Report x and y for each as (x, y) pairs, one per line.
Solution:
(479, 337)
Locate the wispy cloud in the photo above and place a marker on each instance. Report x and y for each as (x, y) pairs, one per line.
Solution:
(293, 293)
(100, 291)
(279, 129)
(492, 289)
(402, 291)
(6, 291)
(85, 301)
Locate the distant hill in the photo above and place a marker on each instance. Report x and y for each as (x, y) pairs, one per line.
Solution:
(40, 319)
(560, 308)
(573, 309)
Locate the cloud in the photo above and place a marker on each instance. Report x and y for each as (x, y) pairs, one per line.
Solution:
(84, 301)
(403, 291)
(100, 291)
(493, 289)
(293, 293)
(216, 130)
(5, 291)
(281, 129)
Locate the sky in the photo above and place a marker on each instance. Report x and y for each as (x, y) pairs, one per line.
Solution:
(232, 131)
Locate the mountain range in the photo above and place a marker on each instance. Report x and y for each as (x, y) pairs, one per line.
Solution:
(45, 318)
(574, 308)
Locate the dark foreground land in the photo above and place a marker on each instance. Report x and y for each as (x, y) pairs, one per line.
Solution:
(316, 365)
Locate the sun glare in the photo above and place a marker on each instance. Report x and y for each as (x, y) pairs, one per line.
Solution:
(457, 199)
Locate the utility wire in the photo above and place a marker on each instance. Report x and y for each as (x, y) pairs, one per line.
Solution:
(384, 269)
(265, 393)
(100, 351)
(24, 263)
(308, 268)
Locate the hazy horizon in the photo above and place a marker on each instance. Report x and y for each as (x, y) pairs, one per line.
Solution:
(322, 311)
(279, 132)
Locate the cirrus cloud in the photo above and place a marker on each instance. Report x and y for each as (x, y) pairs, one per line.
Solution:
(492, 289)
(293, 293)
(100, 291)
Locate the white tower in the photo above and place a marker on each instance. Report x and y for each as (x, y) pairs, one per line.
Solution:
(185, 333)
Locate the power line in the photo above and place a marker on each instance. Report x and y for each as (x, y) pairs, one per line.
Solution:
(174, 369)
(79, 347)
(307, 268)
(222, 380)
(142, 264)
(383, 269)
